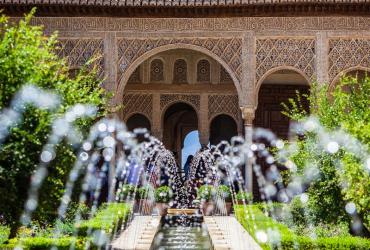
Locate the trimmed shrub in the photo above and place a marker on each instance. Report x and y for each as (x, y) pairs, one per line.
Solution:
(126, 191)
(205, 193)
(4, 233)
(254, 220)
(42, 243)
(109, 217)
(243, 196)
(224, 192)
(143, 193)
(163, 194)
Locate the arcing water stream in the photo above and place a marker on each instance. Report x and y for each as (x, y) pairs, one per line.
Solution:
(111, 153)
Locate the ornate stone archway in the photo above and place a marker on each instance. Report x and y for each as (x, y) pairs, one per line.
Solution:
(132, 52)
(347, 54)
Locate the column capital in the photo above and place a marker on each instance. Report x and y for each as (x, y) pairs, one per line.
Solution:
(248, 114)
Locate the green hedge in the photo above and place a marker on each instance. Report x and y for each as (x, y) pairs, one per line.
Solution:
(4, 232)
(253, 220)
(42, 243)
(108, 217)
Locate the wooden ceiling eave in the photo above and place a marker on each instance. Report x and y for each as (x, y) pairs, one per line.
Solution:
(301, 9)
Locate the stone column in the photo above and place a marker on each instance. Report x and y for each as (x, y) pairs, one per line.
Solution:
(110, 61)
(110, 85)
(248, 114)
(157, 129)
(322, 52)
(203, 120)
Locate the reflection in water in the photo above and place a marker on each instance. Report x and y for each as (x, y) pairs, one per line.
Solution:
(182, 232)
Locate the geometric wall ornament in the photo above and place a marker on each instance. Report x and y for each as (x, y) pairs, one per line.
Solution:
(137, 103)
(228, 49)
(167, 99)
(225, 76)
(294, 52)
(223, 104)
(156, 70)
(203, 71)
(346, 53)
(135, 76)
(180, 71)
(78, 52)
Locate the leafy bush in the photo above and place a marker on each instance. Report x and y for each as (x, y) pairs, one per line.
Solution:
(64, 228)
(163, 194)
(143, 192)
(224, 192)
(76, 208)
(126, 191)
(28, 57)
(297, 211)
(4, 233)
(108, 217)
(42, 243)
(244, 196)
(342, 176)
(254, 220)
(205, 192)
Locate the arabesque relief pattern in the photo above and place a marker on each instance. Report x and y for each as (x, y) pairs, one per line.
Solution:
(201, 24)
(228, 49)
(297, 53)
(345, 53)
(167, 99)
(223, 104)
(137, 103)
(79, 51)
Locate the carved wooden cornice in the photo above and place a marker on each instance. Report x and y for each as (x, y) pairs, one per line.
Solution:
(187, 8)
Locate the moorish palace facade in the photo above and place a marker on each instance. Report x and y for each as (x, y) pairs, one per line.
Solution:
(216, 66)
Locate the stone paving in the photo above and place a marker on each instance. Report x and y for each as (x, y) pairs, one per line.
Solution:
(225, 231)
(227, 234)
(139, 235)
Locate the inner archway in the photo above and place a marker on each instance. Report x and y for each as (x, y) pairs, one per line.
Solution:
(178, 120)
(277, 88)
(358, 74)
(138, 121)
(223, 128)
(191, 145)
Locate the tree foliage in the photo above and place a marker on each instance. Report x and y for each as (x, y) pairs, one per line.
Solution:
(27, 56)
(343, 176)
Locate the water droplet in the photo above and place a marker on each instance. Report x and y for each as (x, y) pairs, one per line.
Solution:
(84, 156)
(79, 109)
(279, 144)
(46, 156)
(304, 198)
(31, 204)
(261, 236)
(102, 127)
(350, 208)
(332, 147)
(310, 125)
(87, 146)
(108, 141)
(254, 147)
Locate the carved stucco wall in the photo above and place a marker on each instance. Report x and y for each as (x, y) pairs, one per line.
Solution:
(223, 104)
(346, 53)
(137, 103)
(318, 47)
(229, 50)
(79, 51)
(167, 99)
(291, 52)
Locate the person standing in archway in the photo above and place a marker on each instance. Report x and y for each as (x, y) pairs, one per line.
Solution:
(187, 166)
